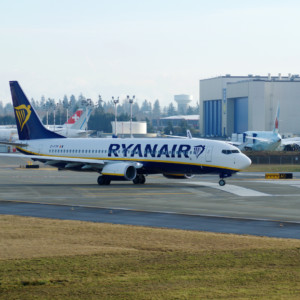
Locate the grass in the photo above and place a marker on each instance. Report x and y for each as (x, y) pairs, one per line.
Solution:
(52, 259)
(273, 168)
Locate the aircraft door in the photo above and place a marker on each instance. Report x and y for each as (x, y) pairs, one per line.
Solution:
(208, 154)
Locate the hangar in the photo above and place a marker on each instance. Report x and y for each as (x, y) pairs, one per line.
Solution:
(235, 104)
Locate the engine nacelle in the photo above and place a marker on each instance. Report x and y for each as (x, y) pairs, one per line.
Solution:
(120, 171)
(178, 176)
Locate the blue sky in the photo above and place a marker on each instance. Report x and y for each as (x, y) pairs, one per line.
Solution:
(151, 49)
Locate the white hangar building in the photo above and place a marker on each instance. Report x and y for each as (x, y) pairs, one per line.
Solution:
(235, 104)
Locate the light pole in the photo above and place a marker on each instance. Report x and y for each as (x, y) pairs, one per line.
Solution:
(130, 102)
(116, 101)
(46, 106)
(54, 111)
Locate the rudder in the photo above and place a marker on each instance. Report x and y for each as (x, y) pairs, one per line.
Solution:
(29, 124)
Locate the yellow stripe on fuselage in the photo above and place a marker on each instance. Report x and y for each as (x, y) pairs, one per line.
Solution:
(132, 159)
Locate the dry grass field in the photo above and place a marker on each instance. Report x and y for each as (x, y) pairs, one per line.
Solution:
(53, 259)
(273, 168)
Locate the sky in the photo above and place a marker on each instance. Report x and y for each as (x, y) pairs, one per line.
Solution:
(151, 49)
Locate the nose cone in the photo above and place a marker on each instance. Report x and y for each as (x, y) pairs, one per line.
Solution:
(244, 162)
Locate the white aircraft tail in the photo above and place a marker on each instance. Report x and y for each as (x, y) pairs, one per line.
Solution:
(276, 123)
(80, 119)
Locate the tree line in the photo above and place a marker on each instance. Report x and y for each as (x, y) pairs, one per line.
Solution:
(103, 111)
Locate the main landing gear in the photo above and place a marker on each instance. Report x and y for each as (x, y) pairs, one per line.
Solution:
(139, 179)
(103, 180)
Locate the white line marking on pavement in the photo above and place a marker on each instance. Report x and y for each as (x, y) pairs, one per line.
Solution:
(229, 188)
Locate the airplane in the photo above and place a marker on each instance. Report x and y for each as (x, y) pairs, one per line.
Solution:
(75, 126)
(290, 144)
(128, 159)
(261, 140)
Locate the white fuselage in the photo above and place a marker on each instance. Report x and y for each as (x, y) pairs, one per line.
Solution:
(157, 155)
(67, 131)
(8, 134)
(262, 140)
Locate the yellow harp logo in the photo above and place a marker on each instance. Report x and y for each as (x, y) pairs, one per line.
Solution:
(23, 113)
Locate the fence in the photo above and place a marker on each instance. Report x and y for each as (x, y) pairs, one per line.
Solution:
(277, 158)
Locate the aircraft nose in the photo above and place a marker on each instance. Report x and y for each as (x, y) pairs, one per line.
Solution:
(245, 162)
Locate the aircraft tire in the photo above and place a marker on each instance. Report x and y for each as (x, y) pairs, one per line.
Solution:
(136, 180)
(142, 179)
(139, 179)
(222, 182)
(101, 180)
(107, 181)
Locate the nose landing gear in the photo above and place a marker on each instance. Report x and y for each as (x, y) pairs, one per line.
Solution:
(222, 182)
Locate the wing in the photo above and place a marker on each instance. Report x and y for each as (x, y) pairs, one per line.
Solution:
(70, 163)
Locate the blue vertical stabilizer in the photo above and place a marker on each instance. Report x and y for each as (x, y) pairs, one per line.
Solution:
(29, 124)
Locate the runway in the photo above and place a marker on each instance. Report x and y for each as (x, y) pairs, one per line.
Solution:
(248, 204)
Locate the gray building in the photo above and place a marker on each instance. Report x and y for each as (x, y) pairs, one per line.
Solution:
(234, 104)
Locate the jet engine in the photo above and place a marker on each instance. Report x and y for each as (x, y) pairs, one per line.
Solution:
(178, 176)
(119, 171)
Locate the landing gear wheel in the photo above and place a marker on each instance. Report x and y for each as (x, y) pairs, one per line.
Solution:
(107, 181)
(139, 179)
(222, 182)
(102, 180)
(142, 179)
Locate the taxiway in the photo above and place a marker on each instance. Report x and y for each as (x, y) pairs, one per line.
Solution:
(247, 204)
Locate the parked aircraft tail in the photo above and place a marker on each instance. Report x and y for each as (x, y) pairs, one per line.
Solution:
(276, 124)
(29, 124)
(74, 118)
(80, 119)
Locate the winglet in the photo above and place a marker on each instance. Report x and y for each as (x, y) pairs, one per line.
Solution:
(188, 133)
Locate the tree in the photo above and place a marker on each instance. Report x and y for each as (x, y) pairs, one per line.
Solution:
(190, 111)
(7, 120)
(146, 108)
(100, 121)
(182, 128)
(8, 109)
(1, 107)
(149, 126)
(169, 129)
(135, 109)
(99, 104)
(171, 110)
(156, 109)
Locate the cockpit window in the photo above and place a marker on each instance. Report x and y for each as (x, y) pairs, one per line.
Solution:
(230, 151)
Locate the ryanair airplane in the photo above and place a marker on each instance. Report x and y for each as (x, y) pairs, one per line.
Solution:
(122, 159)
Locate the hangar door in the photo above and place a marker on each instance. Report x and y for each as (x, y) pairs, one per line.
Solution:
(213, 118)
(241, 115)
